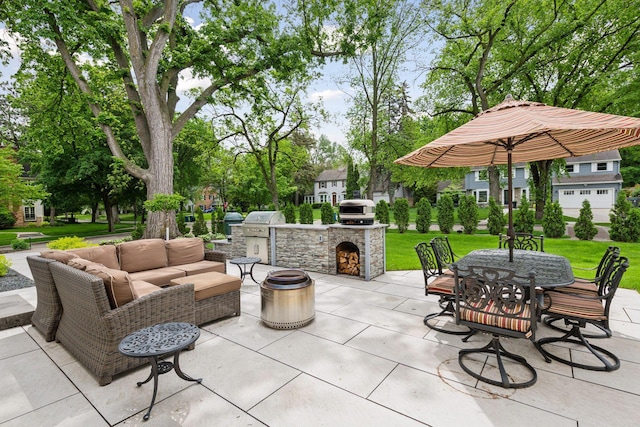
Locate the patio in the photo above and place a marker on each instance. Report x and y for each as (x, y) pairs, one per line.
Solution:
(367, 359)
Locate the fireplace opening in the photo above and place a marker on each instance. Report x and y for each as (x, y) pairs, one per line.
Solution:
(348, 259)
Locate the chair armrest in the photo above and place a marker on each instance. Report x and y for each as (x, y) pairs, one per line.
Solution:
(216, 256)
(172, 304)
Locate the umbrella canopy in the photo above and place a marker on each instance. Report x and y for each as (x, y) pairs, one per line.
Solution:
(523, 131)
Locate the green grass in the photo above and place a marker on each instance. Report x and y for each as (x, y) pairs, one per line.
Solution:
(401, 254)
(83, 229)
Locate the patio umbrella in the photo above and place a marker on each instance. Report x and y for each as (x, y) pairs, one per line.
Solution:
(523, 131)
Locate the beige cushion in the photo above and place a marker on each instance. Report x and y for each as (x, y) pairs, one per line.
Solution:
(158, 276)
(116, 282)
(57, 255)
(105, 255)
(184, 251)
(201, 267)
(140, 255)
(82, 264)
(141, 288)
(210, 284)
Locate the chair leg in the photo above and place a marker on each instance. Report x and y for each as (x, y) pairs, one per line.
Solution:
(551, 319)
(448, 310)
(495, 347)
(609, 361)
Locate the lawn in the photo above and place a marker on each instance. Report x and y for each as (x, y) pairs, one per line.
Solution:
(82, 229)
(401, 254)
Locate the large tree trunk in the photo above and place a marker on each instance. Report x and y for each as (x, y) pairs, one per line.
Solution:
(494, 183)
(108, 212)
(94, 212)
(541, 176)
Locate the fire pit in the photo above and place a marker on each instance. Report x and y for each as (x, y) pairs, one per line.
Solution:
(288, 299)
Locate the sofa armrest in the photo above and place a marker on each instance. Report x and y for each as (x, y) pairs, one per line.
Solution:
(216, 256)
(172, 304)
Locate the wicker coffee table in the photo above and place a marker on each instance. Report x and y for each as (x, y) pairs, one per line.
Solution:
(157, 341)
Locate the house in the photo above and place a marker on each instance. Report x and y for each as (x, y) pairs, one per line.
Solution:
(330, 186)
(594, 177)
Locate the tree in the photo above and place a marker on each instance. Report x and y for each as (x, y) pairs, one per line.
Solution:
(382, 212)
(13, 190)
(199, 226)
(289, 212)
(150, 45)
(423, 215)
(327, 215)
(553, 224)
(584, 228)
(468, 214)
(445, 213)
(496, 219)
(524, 218)
(625, 220)
(401, 214)
(352, 179)
(306, 213)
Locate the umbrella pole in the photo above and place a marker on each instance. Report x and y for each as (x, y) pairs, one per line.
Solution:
(510, 232)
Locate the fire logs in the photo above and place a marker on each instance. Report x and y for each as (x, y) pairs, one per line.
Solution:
(348, 262)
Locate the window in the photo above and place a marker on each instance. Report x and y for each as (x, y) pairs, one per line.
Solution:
(483, 196)
(322, 184)
(29, 213)
(569, 168)
(602, 192)
(568, 192)
(585, 192)
(334, 183)
(601, 166)
(482, 175)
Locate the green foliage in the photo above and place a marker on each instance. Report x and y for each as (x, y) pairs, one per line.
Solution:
(182, 226)
(496, 219)
(4, 265)
(289, 212)
(553, 224)
(468, 214)
(326, 213)
(19, 244)
(7, 219)
(352, 179)
(625, 220)
(401, 214)
(382, 212)
(200, 226)
(219, 214)
(306, 214)
(445, 213)
(584, 228)
(163, 203)
(138, 232)
(423, 215)
(73, 242)
(524, 218)
(115, 241)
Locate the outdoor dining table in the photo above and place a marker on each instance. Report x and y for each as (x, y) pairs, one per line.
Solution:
(551, 270)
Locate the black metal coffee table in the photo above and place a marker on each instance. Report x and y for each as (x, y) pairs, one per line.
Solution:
(160, 341)
(242, 264)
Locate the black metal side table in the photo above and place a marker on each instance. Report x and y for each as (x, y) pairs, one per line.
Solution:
(242, 264)
(160, 341)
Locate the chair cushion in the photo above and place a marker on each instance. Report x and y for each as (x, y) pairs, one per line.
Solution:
(57, 255)
(489, 316)
(211, 284)
(116, 282)
(141, 288)
(580, 286)
(143, 254)
(201, 267)
(105, 255)
(575, 306)
(184, 251)
(441, 285)
(158, 276)
(82, 264)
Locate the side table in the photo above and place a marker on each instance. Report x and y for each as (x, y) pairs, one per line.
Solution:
(157, 341)
(242, 264)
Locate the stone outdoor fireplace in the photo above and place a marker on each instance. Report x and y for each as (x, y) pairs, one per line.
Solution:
(348, 259)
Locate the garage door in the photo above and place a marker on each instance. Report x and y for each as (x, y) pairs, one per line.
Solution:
(601, 198)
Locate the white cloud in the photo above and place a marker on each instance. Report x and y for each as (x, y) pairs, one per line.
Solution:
(188, 81)
(326, 95)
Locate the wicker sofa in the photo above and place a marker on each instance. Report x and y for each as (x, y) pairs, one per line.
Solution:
(80, 306)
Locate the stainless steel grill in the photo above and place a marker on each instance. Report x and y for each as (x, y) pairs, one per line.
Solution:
(288, 299)
(255, 229)
(357, 212)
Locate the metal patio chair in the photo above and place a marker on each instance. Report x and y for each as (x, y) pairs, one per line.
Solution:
(525, 241)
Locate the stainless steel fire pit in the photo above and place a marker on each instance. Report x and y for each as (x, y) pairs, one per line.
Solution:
(288, 299)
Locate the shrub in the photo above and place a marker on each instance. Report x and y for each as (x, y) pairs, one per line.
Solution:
(382, 212)
(584, 228)
(524, 218)
(7, 219)
(423, 215)
(316, 205)
(625, 220)
(199, 227)
(182, 226)
(401, 214)
(138, 232)
(445, 213)
(496, 220)
(20, 244)
(553, 224)
(74, 242)
(468, 214)
(219, 221)
(327, 214)
(306, 214)
(289, 212)
(115, 241)
(4, 265)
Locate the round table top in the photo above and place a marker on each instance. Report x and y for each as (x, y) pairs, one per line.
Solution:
(245, 260)
(164, 338)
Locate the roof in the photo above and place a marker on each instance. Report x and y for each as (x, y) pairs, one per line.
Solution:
(332, 175)
(586, 179)
(596, 157)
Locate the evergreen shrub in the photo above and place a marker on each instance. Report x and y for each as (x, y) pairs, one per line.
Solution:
(423, 215)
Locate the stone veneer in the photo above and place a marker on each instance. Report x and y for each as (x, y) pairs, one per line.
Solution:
(313, 247)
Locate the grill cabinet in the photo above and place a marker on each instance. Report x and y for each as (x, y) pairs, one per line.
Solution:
(256, 231)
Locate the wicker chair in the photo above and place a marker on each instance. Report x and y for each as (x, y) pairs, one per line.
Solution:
(436, 283)
(91, 330)
(579, 310)
(494, 300)
(525, 241)
(46, 316)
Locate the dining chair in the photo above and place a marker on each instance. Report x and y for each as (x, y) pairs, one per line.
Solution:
(493, 300)
(436, 283)
(578, 311)
(525, 241)
(590, 286)
(444, 254)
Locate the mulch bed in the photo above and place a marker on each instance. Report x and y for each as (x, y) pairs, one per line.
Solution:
(14, 280)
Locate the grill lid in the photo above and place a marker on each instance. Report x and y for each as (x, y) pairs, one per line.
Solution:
(265, 217)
